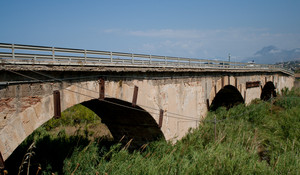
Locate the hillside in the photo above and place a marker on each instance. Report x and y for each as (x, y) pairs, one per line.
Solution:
(293, 65)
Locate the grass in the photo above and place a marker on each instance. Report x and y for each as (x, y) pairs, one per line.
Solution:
(57, 139)
(78, 114)
(261, 138)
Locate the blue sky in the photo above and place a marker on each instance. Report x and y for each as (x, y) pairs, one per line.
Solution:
(199, 29)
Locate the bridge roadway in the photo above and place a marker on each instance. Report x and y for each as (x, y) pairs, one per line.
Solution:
(141, 97)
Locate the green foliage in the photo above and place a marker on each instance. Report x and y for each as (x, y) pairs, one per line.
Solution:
(50, 151)
(288, 99)
(72, 116)
(52, 148)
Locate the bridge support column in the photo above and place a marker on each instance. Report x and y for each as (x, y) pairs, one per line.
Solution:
(135, 94)
(57, 106)
(222, 83)
(266, 80)
(207, 104)
(101, 89)
(228, 79)
(215, 89)
(2, 165)
(161, 114)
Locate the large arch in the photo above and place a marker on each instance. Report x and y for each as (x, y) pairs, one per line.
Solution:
(268, 91)
(123, 121)
(126, 122)
(227, 97)
(23, 123)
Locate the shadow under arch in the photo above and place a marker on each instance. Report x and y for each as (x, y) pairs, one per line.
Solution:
(126, 123)
(227, 97)
(268, 91)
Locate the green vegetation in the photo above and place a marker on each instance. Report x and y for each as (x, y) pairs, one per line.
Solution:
(56, 140)
(78, 114)
(261, 138)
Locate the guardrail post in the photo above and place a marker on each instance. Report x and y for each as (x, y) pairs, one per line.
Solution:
(165, 60)
(161, 115)
(84, 55)
(111, 58)
(132, 58)
(150, 59)
(53, 54)
(13, 51)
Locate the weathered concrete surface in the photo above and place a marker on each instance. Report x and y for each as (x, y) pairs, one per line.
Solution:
(182, 97)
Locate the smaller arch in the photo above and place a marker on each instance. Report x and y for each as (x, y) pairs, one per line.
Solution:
(228, 97)
(268, 91)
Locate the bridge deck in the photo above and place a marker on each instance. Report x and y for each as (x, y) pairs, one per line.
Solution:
(59, 59)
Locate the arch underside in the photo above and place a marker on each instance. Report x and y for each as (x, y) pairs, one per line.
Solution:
(227, 97)
(268, 91)
(126, 123)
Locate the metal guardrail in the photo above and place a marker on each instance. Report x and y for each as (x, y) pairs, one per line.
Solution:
(43, 55)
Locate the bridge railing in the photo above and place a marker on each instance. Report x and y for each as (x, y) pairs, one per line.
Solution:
(43, 55)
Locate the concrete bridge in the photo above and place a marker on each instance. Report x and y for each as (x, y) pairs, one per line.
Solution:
(141, 97)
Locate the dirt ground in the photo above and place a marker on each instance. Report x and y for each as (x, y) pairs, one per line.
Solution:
(93, 131)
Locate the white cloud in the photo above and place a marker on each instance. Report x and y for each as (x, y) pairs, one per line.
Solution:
(168, 33)
(240, 42)
(112, 30)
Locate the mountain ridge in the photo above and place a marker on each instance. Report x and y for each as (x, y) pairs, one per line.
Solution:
(271, 55)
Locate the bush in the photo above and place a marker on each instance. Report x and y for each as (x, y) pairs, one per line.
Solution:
(72, 116)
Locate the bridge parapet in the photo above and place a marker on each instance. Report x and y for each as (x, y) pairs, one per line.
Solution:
(56, 56)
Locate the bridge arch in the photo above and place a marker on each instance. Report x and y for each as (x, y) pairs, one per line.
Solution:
(227, 97)
(123, 121)
(126, 122)
(30, 118)
(268, 91)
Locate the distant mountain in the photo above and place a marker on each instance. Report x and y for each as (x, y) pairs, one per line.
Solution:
(271, 55)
